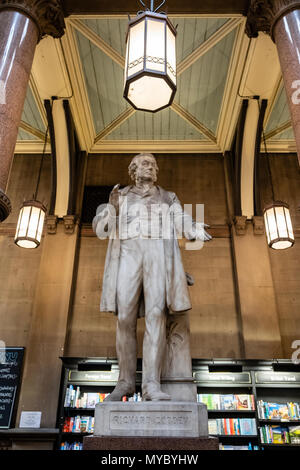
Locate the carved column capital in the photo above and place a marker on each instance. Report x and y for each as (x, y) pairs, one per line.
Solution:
(258, 225)
(47, 14)
(240, 224)
(51, 223)
(264, 14)
(5, 206)
(70, 222)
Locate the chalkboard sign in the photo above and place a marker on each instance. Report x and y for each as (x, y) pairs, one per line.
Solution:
(11, 360)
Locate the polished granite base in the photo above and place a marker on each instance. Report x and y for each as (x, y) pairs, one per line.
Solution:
(149, 443)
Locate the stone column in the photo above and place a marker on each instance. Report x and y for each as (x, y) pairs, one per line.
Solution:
(48, 329)
(281, 20)
(22, 24)
(256, 292)
(254, 288)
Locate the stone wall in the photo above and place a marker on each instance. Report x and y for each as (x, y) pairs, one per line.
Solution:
(285, 264)
(19, 267)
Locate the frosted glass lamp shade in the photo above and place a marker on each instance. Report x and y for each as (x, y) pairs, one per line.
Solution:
(30, 224)
(278, 226)
(150, 66)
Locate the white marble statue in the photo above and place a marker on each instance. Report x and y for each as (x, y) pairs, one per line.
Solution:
(143, 273)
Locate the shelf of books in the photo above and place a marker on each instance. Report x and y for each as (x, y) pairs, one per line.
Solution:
(278, 409)
(252, 405)
(85, 382)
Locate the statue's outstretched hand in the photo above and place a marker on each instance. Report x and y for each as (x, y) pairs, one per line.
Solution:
(207, 236)
(200, 233)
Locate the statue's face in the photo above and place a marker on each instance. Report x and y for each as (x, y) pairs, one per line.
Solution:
(146, 169)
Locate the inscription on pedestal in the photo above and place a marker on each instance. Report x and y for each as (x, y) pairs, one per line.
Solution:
(169, 420)
(185, 419)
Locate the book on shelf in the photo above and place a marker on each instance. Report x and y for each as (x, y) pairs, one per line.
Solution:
(136, 397)
(282, 411)
(232, 426)
(88, 400)
(250, 446)
(227, 402)
(272, 434)
(294, 432)
(77, 399)
(92, 400)
(71, 446)
(79, 424)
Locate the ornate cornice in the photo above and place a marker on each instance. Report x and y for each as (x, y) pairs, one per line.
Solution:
(258, 225)
(264, 14)
(47, 14)
(5, 206)
(70, 221)
(51, 224)
(240, 222)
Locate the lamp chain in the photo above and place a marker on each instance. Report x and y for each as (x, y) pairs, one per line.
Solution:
(152, 5)
(268, 159)
(41, 164)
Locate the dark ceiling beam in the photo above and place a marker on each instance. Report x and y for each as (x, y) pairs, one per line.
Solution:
(105, 7)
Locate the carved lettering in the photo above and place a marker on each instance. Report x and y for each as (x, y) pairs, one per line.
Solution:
(149, 420)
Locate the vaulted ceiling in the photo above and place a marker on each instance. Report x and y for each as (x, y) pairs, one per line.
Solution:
(87, 64)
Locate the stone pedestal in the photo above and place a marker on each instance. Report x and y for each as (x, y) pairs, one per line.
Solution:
(151, 419)
(151, 426)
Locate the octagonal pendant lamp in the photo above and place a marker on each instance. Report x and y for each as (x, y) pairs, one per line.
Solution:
(30, 224)
(278, 226)
(31, 217)
(150, 66)
(277, 218)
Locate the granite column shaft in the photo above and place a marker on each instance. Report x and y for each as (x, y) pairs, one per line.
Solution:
(18, 38)
(287, 39)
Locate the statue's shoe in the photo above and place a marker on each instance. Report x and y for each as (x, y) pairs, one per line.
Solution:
(119, 392)
(156, 395)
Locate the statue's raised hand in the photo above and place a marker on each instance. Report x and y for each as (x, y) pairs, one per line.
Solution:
(114, 197)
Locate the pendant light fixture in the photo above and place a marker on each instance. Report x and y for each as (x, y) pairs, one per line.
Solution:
(277, 218)
(150, 66)
(32, 215)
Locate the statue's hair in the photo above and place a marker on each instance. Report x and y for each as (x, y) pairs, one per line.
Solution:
(133, 165)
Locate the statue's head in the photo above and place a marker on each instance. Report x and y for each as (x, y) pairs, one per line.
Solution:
(143, 167)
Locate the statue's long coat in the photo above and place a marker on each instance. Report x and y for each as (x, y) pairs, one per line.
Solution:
(177, 295)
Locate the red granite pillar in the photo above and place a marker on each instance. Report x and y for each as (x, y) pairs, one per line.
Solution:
(18, 38)
(22, 24)
(281, 20)
(287, 38)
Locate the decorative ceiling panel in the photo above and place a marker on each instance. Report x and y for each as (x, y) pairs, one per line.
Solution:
(93, 55)
(104, 82)
(111, 30)
(288, 134)
(23, 135)
(280, 112)
(192, 32)
(201, 86)
(165, 125)
(31, 114)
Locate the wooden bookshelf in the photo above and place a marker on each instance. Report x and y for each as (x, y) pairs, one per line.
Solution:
(276, 381)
